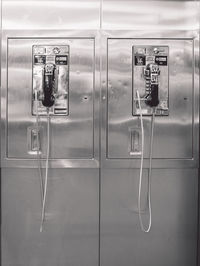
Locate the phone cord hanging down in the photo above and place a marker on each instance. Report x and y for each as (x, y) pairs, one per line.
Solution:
(38, 149)
(46, 173)
(146, 230)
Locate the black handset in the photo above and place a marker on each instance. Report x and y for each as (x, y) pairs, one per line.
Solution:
(49, 85)
(151, 73)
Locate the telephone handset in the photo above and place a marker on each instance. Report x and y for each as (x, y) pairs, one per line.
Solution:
(49, 85)
(151, 73)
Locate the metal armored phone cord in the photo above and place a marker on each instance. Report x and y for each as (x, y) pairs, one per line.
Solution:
(46, 172)
(141, 168)
(38, 148)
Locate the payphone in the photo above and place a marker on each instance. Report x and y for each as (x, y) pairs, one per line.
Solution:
(150, 97)
(150, 78)
(49, 97)
(51, 79)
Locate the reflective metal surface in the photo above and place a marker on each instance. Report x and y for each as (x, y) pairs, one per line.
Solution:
(150, 15)
(73, 137)
(71, 228)
(170, 131)
(70, 235)
(50, 14)
(91, 210)
(169, 144)
(173, 237)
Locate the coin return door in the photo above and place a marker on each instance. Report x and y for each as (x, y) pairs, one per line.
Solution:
(150, 78)
(50, 79)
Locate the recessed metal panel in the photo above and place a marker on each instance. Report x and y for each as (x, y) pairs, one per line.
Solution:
(171, 132)
(72, 136)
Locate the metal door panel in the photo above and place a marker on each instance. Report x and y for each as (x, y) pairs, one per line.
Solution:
(173, 236)
(70, 234)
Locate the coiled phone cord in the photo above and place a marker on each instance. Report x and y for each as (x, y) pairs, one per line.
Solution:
(46, 172)
(141, 169)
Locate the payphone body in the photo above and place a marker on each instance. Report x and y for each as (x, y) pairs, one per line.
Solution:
(150, 78)
(51, 79)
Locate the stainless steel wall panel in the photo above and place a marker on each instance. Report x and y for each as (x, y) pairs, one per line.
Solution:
(70, 235)
(173, 237)
(66, 136)
(100, 34)
(150, 15)
(0, 60)
(37, 14)
(69, 143)
(183, 94)
(168, 143)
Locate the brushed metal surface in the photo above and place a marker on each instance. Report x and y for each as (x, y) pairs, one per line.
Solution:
(150, 15)
(168, 143)
(70, 235)
(73, 137)
(173, 237)
(51, 14)
(0, 61)
(170, 146)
